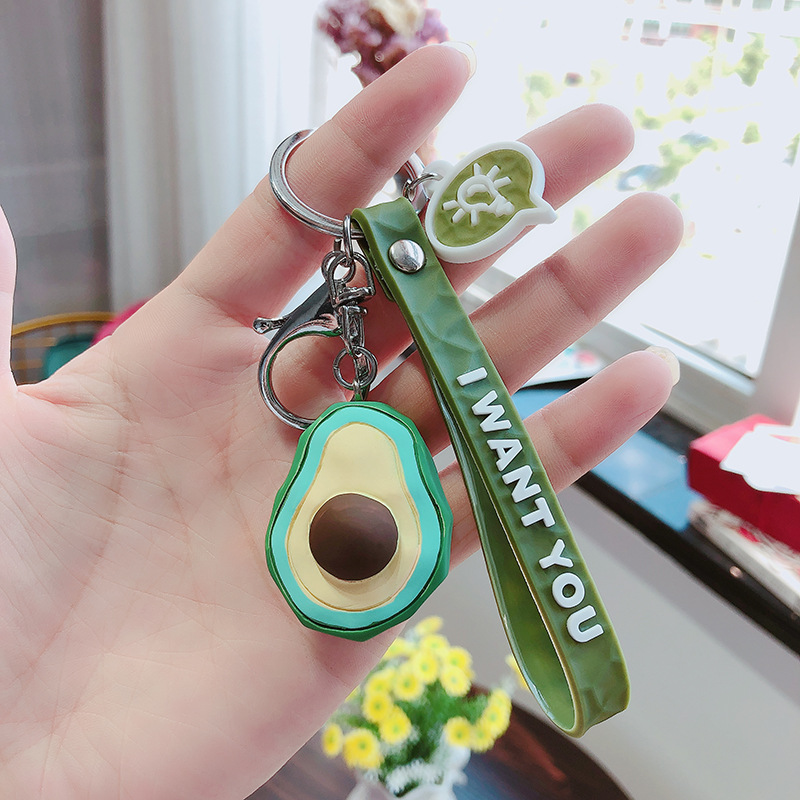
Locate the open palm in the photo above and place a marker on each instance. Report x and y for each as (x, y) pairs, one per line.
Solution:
(144, 650)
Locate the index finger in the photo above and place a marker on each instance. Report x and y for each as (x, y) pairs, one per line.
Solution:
(261, 255)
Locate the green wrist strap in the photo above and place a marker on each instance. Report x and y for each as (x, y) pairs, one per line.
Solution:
(556, 624)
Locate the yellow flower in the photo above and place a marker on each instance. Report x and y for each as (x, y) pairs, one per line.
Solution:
(495, 718)
(376, 706)
(398, 648)
(362, 750)
(501, 700)
(332, 740)
(407, 686)
(480, 739)
(428, 625)
(514, 666)
(396, 727)
(435, 643)
(458, 657)
(353, 696)
(380, 681)
(458, 732)
(425, 666)
(455, 681)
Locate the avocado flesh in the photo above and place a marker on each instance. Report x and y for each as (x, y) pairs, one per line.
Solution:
(356, 459)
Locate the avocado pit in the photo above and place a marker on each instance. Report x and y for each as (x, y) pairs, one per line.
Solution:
(353, 537)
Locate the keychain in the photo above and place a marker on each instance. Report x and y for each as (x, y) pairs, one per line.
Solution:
(555, 621)
(360, 531)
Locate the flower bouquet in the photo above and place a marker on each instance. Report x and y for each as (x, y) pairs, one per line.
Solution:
(380, 32)
(410, 727)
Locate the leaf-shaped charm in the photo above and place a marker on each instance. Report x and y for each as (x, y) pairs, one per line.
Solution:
(483, 202)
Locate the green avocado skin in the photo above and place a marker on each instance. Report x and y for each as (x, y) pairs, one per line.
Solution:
(416, 460)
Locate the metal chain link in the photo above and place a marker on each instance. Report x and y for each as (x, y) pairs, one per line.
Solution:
(339, 268)
(334, 309)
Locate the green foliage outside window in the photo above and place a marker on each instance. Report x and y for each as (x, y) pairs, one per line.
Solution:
(691, 103)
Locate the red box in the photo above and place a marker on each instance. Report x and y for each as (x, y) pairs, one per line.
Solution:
(777, 515)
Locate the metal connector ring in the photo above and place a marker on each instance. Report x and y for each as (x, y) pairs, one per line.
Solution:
(409, 172)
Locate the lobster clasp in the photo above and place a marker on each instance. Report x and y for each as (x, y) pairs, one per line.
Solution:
(335, 309)
(314, 316)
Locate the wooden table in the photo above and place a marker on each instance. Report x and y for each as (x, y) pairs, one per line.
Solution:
(531, 761)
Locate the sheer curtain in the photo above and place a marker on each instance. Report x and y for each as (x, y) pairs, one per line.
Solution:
(52, 169)
(198, 93)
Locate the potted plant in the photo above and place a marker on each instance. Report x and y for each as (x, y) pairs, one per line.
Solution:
(408, 730)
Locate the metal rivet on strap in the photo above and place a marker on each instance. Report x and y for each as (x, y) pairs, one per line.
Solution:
(407, 255)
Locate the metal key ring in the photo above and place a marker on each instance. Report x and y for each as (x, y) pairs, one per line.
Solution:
(326, 325)
(411, 170)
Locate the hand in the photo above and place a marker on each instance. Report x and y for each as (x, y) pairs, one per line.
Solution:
(146, 651)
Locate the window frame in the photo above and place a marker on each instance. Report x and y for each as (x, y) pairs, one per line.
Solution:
(709, 394)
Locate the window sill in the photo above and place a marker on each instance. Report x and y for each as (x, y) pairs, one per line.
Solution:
(644, 483)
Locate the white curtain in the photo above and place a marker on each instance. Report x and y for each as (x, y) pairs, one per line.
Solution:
(198, 93)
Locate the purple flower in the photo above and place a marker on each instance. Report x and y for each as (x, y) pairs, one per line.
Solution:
(361, 27)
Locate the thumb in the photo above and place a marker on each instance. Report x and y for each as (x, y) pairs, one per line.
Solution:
(8, 269)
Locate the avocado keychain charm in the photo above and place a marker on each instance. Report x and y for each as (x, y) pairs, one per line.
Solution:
(360, 531)
(555, 621)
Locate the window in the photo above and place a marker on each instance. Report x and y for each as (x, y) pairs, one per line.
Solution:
(713, 89)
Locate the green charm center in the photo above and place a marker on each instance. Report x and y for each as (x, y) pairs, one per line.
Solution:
(479, 202)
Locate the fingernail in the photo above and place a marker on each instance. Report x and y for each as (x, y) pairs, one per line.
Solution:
(670, 359)
(467, 51)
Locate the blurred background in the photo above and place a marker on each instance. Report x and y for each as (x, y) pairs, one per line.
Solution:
(129, 129)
